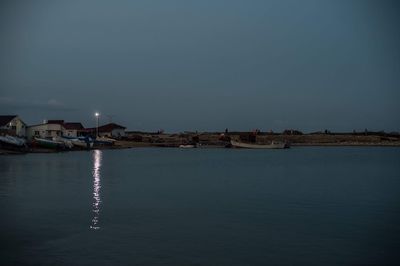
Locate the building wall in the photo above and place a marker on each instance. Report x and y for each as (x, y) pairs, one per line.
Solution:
(70, 133)
(119, 132)
(102, 134)
(36, 131)
(114, 133)
(16, 127)
(20, 127)
(45, 131)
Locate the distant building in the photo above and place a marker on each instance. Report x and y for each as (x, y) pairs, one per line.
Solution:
(109, 130)
(73, 129)
(12, 125)
(48, 129)
(55, 128)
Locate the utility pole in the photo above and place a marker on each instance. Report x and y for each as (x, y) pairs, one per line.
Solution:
(97, 124)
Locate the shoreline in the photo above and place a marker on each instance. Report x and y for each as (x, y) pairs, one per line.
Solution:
(220, 140)
(134, 145)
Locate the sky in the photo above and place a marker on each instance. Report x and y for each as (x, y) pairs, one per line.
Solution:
(203, 65)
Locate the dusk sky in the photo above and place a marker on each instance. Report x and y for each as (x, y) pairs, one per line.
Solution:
(203, 65)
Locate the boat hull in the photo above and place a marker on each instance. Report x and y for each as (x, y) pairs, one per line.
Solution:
(280, 145)
(187, 146)
(78, 142)
(13, 141)
(49, 144)
(82, 144)
(104, 141)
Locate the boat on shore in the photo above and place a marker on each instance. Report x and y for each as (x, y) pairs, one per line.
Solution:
(83, 142)
(49, 144)
(272, 145)
(67, 142)
(13, 141)
(12, 144)
(187, 146)
(104, 141)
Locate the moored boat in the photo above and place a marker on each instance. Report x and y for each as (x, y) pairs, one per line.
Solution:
(82, 144)
(67, 142)
(272, 145)
(187, 146)
(50, 144)
(13, 141)
(104, 141)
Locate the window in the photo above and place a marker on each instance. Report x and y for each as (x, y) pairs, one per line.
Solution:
(37, 133)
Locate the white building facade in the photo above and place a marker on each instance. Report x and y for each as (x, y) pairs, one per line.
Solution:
(55, 128)
(13, 125)
(47, 130)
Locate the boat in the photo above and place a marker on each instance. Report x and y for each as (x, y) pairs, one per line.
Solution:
(50, 144)
(272, 145)
(187, 146)
(104, 141)
(80, 142)
(67, 142)
(13, 141)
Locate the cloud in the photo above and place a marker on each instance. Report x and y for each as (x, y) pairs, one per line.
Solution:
(49, 105)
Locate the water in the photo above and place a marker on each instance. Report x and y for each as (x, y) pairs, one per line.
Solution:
(303, 206)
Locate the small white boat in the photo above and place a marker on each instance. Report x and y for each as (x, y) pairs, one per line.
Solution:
(81, 143)
(272, 145)
(104, 141)
(15, 141)
(187, 146)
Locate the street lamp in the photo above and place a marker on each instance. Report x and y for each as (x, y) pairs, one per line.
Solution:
(97, 123)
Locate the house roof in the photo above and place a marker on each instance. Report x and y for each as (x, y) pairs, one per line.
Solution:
(107, 128)
(5, 119)
(73, 126)
(56, 122)
(66, 125)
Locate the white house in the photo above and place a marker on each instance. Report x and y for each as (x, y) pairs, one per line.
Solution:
(12, 125)
(48, 129)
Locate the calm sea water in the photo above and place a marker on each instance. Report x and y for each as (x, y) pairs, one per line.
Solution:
(302, 206)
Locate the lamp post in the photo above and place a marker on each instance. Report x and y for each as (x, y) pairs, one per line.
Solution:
(97, 124)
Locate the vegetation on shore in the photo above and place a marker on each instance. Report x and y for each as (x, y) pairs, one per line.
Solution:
(221, 139)
(294, 137)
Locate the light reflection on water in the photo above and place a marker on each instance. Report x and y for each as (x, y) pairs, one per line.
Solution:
(97, 156)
